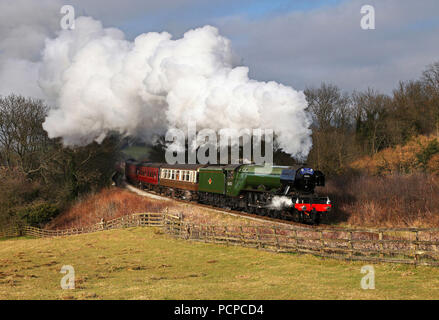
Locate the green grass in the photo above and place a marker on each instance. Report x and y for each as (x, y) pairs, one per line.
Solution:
(143, 263)
(136, 152)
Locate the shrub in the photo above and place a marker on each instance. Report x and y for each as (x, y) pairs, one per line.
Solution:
(37, 214)
(384, 201)
(427, 153)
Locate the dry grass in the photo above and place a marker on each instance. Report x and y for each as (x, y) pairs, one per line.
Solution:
(387, 201)
(114, 202)
(107, 204)
(138, 263)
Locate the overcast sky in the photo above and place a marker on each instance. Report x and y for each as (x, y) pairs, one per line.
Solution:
(297, 42)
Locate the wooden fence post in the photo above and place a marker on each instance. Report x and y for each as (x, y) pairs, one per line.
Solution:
(276, 238)
(416, 247)
(102, 224)
(380, 238)
(350, 246)
(257, 236)
(296, 240)
(213, 234)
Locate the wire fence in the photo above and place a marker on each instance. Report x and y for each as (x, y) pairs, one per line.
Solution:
(403, 245)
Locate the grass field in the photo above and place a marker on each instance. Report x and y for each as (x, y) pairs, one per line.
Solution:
(136, 152)
(143, 263)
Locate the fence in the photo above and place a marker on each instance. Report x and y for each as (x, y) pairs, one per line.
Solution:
(409, 246)
(133, 220)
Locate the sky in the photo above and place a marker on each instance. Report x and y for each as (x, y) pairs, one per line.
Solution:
(297, 43)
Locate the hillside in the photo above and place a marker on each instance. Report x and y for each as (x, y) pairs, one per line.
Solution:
(142, 263)
(420, 153)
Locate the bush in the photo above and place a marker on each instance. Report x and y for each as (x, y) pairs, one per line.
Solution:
(384, 201)
(427, 153)
(38, 214)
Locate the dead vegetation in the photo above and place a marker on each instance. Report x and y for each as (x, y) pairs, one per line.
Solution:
(107, 204)
(112, 203)
(385, 201)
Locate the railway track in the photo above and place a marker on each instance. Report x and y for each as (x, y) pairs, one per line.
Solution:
(235, 213)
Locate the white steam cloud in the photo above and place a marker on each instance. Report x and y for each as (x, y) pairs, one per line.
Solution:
(96, 82)
(280, 202)
(101, 82)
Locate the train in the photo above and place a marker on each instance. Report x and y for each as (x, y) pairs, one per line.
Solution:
(283, 192)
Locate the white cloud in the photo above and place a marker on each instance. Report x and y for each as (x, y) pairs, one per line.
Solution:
(327, 44)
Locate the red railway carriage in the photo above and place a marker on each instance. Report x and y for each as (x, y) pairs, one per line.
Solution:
(131, 171)
(148, 173)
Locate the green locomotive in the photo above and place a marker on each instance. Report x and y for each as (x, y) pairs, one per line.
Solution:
(276, 191)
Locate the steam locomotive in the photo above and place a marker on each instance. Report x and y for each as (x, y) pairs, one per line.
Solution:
(275, 191)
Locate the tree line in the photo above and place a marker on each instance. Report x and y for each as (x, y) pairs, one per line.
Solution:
(39, 176)
(347, 126)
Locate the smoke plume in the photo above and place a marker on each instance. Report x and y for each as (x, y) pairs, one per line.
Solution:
(96, 81)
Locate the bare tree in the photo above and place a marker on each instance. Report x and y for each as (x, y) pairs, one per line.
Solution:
(371, 109)
(333, 142)
(22, 137)
(430, 78)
